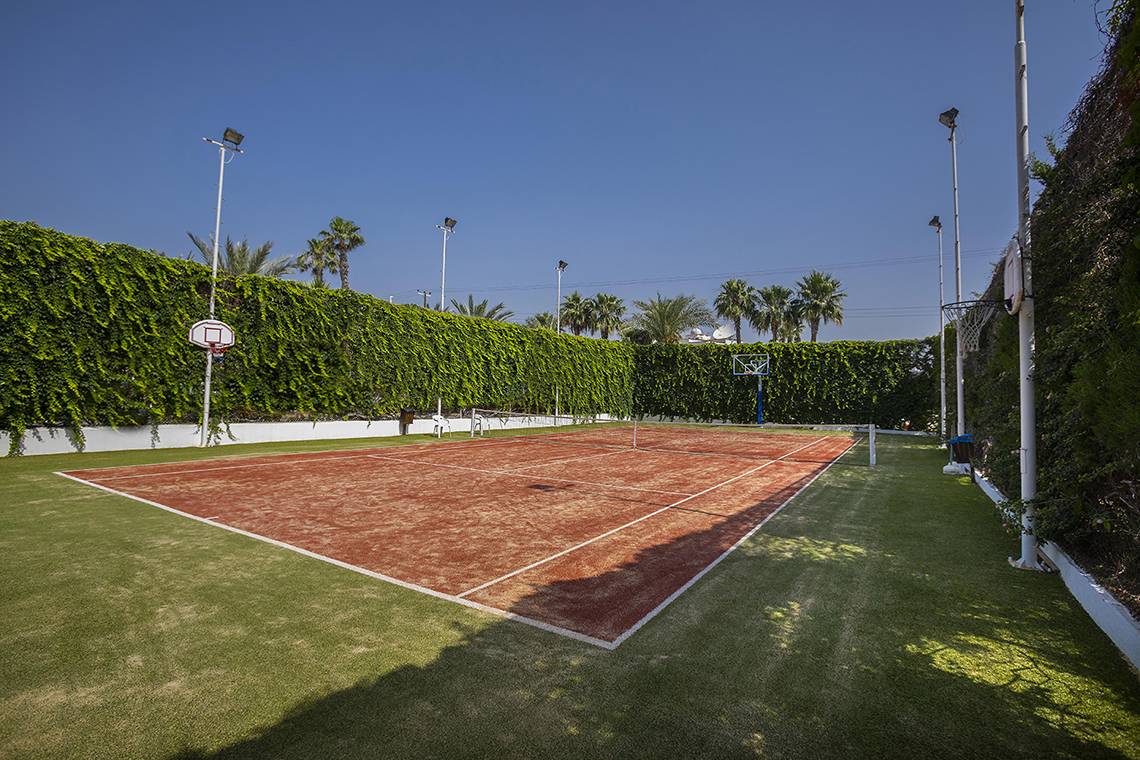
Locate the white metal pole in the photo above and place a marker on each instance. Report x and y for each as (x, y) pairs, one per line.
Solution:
(871, 441)
(941, 340)
(961, 382)
(443, 274)
(203, 437)
(558, 303)
(1025, 315)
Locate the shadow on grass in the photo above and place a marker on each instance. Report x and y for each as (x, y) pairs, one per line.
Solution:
(831, 634)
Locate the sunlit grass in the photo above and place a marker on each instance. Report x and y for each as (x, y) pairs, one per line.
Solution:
(874, 617)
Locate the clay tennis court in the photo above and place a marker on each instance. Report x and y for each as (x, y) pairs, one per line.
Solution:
(577, 532)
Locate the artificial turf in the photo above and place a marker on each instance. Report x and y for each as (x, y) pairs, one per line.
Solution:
(875, 616)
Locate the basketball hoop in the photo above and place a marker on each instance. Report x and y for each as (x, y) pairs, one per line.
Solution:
(969, 317)
(753, 365)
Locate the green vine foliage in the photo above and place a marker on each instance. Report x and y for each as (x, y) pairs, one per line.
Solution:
(1086, 284)
(95, 334)
(890, 383)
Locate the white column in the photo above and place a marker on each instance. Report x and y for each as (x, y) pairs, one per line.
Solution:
(1025, 315)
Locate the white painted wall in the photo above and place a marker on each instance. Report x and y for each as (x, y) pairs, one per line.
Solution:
(58, 441)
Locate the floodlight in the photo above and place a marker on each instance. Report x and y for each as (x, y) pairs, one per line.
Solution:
(233, 136)
(936, 223)
(949, 118)
(449, 223)
(562, 265)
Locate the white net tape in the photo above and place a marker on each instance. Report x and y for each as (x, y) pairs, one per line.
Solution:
(968, 318)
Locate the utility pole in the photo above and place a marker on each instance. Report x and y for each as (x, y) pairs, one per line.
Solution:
(950, 119)
(558, 296)
(229, 143)
(936, 223)
(426, 294)
(448, 228)
(1025, 315)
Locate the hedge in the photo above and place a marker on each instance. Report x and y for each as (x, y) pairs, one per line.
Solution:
(95, 334)
(891, 383)
(1085, 234)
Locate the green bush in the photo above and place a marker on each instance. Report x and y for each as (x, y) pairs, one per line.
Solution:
(890, 383)
(95, 334)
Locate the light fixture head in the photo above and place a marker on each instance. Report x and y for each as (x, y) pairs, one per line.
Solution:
(936, 223)
(949, 118)
(233, 136)
(562, 265)
(449, 223)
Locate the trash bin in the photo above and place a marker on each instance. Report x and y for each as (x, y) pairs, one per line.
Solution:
(407, 417)
(962, 448)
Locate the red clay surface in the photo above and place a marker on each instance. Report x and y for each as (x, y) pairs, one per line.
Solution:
(578, 530)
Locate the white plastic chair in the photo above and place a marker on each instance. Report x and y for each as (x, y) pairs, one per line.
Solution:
(439, 425)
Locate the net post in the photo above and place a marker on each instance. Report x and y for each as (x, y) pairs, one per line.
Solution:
(472, 422)
(871, 440)
(635, 432)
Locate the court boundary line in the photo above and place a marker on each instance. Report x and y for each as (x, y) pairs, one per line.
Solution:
(633, 522)
(563, 461)
(707, 568)
(549, 627)
(504, 614)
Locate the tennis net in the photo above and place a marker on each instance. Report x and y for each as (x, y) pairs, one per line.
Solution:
(746, 441)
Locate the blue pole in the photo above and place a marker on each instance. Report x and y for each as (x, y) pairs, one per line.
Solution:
(759, 399)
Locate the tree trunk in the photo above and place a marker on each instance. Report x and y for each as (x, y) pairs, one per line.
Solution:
(319, 277)
(605, 333)
(775, 337)
(736, 322)
(344, 270)
(814, 329)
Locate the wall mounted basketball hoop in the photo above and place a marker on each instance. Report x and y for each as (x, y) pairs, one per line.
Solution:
(753, 365)
(212, 334)
(968, 318)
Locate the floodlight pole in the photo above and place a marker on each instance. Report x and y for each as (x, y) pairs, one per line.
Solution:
(961, 381)
(559, 269)
(1025, 315)
(941, 338)
(203, 438)
(443, 267)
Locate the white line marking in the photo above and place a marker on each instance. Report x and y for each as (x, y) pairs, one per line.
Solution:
(612, 531)
(566, 459)
(508, 474)
(566, 632)
(357, 569)
(688, 584)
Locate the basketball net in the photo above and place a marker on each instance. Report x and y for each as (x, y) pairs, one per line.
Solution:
(968, 318)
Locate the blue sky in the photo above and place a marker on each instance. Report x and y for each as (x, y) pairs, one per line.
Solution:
(655, 146)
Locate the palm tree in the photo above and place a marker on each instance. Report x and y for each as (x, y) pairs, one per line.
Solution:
(343, 237)
(578, 313)
(239, 258)
(820, 300)
(791, 331)
(736, 300)
(499, 312)
(662, 320)
(543, 319)
(773, 311)
(318, 259)
(608, 313)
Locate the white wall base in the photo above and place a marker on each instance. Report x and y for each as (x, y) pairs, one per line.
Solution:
(45, 440)
(1110, 615)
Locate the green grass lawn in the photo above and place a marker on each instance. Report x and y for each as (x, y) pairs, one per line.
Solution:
(874, 617)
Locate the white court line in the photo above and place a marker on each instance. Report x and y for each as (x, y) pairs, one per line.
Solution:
(577, 636)
(357, 569)
(566, 459)
(509, 474)
(612, 531)
(688, 584)
(290, 462)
